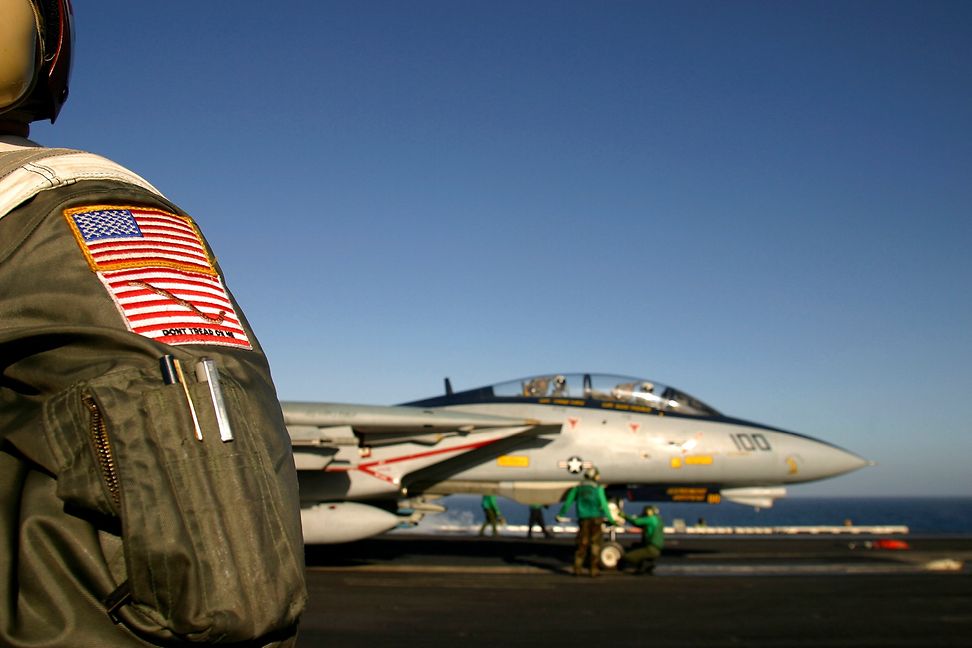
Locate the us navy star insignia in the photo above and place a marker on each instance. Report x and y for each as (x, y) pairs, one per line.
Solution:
(574, 465)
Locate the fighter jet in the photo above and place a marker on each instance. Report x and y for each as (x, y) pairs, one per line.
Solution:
(365, 469)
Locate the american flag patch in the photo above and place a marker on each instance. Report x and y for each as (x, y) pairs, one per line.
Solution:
(159, 273)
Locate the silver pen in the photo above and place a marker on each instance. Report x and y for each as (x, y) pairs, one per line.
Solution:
(207, 372)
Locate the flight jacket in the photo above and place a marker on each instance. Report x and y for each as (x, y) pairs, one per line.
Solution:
(148, 494)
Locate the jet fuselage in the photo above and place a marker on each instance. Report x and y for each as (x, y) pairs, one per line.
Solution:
(530, 440)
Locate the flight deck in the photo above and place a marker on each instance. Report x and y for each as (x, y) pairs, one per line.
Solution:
(831, 590)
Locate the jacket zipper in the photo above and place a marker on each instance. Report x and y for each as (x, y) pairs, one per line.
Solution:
(99, 436)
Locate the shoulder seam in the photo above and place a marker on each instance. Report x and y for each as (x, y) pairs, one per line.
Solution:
(63, 168)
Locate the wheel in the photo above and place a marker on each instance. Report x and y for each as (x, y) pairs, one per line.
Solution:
(611, 554)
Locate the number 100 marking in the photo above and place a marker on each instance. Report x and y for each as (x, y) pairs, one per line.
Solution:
(750, 442)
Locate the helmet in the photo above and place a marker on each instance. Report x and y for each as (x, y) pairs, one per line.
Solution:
(592, 474)
(650, 510)
(36, 38)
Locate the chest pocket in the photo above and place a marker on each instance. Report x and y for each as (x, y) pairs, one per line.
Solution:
(207, 551)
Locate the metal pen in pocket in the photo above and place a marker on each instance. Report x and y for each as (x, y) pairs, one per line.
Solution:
(207, 372)
(167, 363)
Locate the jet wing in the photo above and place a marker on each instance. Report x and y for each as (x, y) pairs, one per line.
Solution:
(328, 423)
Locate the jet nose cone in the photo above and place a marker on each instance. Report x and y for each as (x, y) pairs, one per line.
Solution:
(817, 460)
(842, 461)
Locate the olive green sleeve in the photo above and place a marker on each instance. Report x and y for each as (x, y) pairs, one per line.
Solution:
(602, 497)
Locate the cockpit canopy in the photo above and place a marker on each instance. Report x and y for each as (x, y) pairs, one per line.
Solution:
(607, 388)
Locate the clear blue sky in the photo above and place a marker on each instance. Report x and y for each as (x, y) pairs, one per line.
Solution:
(765, 204)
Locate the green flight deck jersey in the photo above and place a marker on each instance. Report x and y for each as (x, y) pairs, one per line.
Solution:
(590, 500)
(148, 494)
(652, 529)
(489, 504)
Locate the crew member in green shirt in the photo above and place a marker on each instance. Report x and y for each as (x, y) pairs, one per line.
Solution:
(652, 540)
(493, 515)
(592, 511)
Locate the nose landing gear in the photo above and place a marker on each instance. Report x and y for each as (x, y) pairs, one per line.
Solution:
(611, 554)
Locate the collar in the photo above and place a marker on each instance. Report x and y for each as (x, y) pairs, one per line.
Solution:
(15, 143)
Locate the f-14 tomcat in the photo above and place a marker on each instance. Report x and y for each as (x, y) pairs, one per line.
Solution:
(365, 469)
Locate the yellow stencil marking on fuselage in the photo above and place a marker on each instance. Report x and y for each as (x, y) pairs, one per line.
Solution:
(513, 461)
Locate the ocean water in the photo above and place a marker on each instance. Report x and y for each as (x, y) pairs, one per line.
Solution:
(922, 515)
